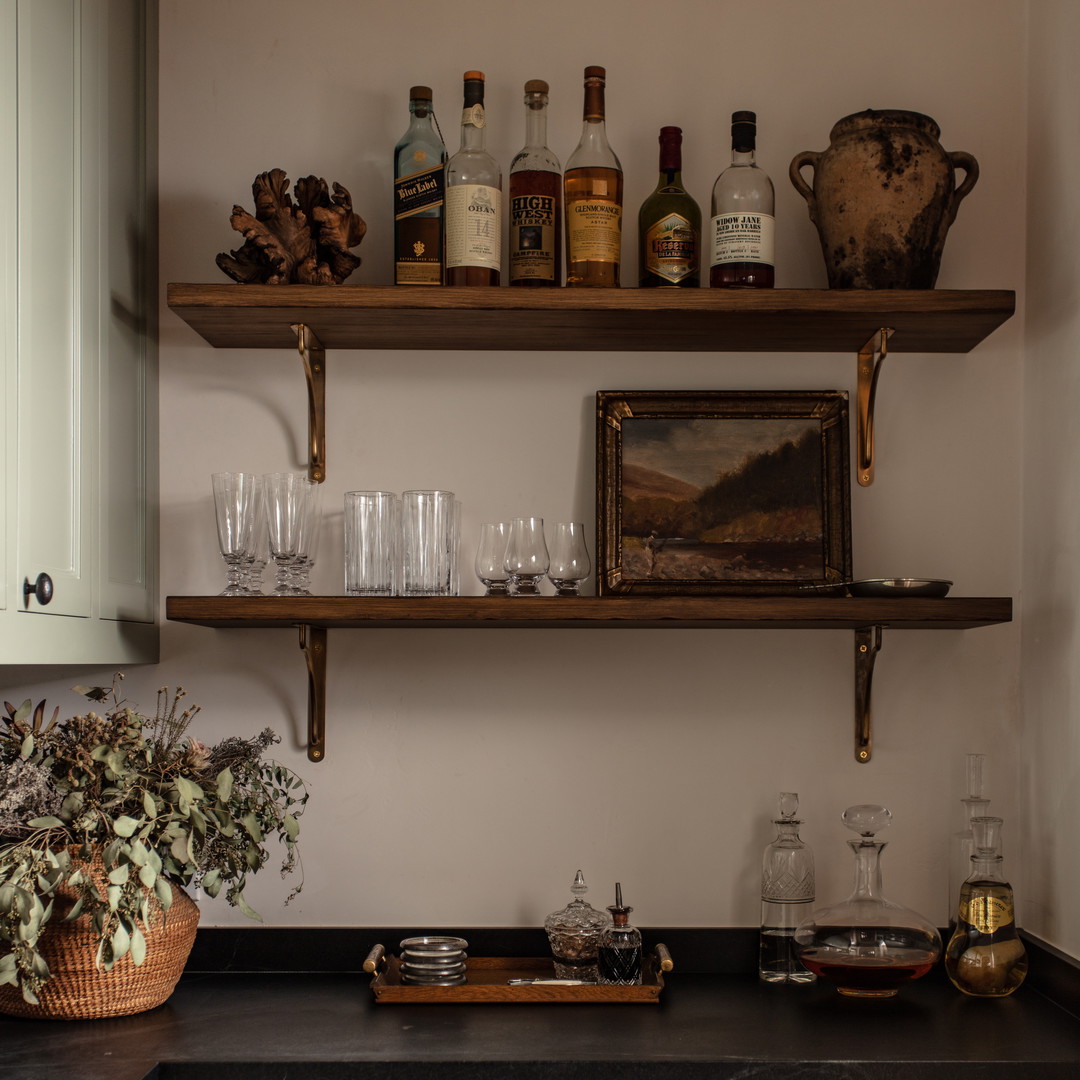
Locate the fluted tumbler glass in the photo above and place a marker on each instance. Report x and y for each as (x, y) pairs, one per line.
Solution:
(429, 543)
(371, 532)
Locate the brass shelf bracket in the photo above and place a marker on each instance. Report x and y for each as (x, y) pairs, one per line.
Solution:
(867, 646)
(871, 357)
(313, 642)
(313, 356)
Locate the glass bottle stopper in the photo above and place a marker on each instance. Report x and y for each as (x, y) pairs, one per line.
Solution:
(975, 775)
(867, 819)
(789, 807)
(986, 834)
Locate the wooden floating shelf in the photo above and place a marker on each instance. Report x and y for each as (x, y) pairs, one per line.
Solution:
(632, 613)
(589, 320)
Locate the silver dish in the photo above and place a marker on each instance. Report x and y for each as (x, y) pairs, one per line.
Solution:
(433, 944)
(899, 587)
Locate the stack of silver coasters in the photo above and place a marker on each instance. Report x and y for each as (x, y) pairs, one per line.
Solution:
(433, 961)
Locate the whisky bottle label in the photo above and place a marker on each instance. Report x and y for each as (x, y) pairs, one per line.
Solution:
(474, 226)
(742, 238)
(594, 230)
(671, 249)
(419, 191)
(532, 238)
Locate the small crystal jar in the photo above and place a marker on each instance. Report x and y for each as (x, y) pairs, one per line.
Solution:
(574, 934)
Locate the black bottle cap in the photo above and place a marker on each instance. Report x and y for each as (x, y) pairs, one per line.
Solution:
(743, 131)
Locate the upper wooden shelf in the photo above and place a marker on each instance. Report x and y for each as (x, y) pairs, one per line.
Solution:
(627, 320)
(472, 612)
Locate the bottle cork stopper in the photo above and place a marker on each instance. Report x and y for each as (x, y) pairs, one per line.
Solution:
(422, 93)
(536, 86)
(595, 73)
(477, 76)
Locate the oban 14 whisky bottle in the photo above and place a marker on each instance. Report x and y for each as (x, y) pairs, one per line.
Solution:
(419, 185)
(669, 224)
(535, 200)
(593, 187)
(473, 198)
(742, 215)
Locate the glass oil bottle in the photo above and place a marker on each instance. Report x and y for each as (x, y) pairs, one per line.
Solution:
(619, 955)
(985, 956)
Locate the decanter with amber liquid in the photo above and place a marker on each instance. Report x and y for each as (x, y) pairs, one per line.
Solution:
(985, 956)
(866, 945)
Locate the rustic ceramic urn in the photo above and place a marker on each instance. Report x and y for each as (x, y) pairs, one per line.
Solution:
(883, 197)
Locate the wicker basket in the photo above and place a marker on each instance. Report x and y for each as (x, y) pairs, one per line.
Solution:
(78, 990)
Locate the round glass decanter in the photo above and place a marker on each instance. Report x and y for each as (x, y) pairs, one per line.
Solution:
(867, 946)
(574, 934)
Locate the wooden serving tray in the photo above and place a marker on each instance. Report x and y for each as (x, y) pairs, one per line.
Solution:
(488, 982)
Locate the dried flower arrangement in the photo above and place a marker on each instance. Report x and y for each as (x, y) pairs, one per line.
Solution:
(158, 806)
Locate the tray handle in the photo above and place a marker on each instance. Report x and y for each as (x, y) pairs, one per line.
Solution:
(663, 958)
(374, 959)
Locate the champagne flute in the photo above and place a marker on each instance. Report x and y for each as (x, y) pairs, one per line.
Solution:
(235, 508)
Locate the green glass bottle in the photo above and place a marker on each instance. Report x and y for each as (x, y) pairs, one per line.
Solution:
(669, 225)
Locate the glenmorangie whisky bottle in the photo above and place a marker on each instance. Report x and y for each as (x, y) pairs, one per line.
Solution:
(419, 183)
(669, 224)
(535, 200)
(473, 198)
(593, 187)
(742, 215)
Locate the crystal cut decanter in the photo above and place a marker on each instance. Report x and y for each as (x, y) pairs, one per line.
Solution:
(574, 934)
(787, 893)
(867, 946)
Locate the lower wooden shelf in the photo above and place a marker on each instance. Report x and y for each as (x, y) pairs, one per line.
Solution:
(315, 616)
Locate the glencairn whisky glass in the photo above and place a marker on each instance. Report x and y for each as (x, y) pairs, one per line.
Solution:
(526, 556)
(866, 945)
(569, 565)
(490, 562)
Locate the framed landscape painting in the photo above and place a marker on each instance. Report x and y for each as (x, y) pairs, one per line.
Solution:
(722, 492)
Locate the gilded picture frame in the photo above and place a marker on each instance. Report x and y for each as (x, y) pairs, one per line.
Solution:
(722, 492)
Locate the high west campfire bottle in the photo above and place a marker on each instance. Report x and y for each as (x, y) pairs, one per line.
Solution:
(669, 224)
(593, 186)
(419, 183)
(473, 199)
(535, 200)
(742, 215)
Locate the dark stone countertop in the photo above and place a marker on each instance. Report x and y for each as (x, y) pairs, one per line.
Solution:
(302, 1025)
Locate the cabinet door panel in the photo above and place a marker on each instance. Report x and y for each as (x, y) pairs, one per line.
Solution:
(9, 277)
(52, 333)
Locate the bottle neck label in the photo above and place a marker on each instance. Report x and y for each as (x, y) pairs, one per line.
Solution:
(420, 191)
(473, 116)
(671, 249)
(474, 226)
(742, 238)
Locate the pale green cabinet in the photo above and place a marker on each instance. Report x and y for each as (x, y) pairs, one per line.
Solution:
(78, 461)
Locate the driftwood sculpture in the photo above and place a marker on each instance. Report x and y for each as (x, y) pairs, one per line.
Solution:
(304, 243)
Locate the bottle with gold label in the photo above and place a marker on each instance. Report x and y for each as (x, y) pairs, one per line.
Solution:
(985, 956)
(669, 224)
(419, 181)
(593, 188)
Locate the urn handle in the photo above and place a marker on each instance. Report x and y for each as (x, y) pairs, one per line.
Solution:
(962, 160)
(798, 163)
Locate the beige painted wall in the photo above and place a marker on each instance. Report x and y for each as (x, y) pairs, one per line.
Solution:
(470, 774)
(1050, 743)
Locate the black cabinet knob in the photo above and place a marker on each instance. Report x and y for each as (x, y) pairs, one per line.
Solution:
(41, 589)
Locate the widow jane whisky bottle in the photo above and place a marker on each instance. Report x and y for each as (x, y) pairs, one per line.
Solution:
(593, 189)
(535, 200)
(473, 198)
(419, 185)
(669, 225)
(742, 215)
